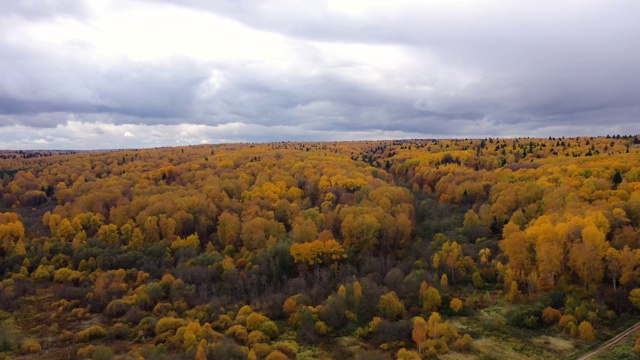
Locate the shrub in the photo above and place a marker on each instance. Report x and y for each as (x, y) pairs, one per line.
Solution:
(551, 315)
(254, 320)
(7, 339)
(94, 332)
(169, 324)
(226, 350)
(261, 350)
(257, 337)
(586, 332)
(455, 304)
(270, 329)
(277, 355)
(117, 308)
(566, 319)
(371, 355)
(121, 331)
(147, 325)
(30, 346)
(389, 332)
(322, 328)
(404, 354)
(237, 331)
(526, 316)
(464, 343)
(556, 299)
(291, 353)
(86, 351)
(102, 353)
(66, 275)
(133, 315)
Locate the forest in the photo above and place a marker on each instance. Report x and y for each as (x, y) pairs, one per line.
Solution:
(493, 248)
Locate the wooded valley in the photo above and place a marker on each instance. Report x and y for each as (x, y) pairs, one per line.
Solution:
(406, 249)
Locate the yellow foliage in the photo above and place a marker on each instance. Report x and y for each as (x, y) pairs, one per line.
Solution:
(30, 346)
(277, 355)
(404, 354)
(419, 332)
(317, 252)
(586, 332)
(290, 306)
(257, 336)
(455, 304)
(551, 315)
(254, 320)
(321, 328)
(390, 306)
(91, 333)
(169, 324)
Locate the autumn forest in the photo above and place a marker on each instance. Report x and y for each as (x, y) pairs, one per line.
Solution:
(407, 249)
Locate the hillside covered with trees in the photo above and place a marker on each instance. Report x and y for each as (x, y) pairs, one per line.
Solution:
(406, 249)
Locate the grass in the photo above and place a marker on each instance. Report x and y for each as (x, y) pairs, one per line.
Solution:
(620, 351)
(495, 339)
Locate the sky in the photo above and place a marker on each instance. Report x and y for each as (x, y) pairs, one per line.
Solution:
(106, 74)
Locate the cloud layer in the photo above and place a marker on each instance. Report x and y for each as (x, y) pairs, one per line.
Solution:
(112, 74)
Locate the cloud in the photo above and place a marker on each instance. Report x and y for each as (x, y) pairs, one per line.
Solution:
(37, 10)
(128, 134)
(281, 70)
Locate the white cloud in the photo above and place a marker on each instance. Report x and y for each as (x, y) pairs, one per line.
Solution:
(189, 71)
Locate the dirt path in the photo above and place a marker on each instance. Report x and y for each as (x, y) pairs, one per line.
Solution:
(616, 339)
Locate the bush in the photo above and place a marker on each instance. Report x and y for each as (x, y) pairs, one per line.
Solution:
(389, 332)
(555, 299)
(551, 315)
(586, 332)
(147, 325)
(526, 316)
(133, 315)
(7, 339)
(257, 337)
(121, 331)
(277, 355)
(94, 332)
(270, 329)
(226, 350)
(117, 308)
(291, 353)
(30, 346)
(464, 343)
(261, 350)
(372, 355)
(86, 351)
(239, 332)
(66, 275)
(254, 320)
(169, 324)
(102, 353)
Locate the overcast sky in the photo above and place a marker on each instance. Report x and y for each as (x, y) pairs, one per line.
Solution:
(122, 73)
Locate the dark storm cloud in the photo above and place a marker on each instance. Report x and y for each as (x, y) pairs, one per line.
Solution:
(35, 82)
(556, 59)
(159, 91)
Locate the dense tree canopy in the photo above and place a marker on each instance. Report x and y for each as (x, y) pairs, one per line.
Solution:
(259, 250)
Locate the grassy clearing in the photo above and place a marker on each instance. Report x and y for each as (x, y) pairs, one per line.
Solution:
(620, 351)
(496, 339)
(555, 344)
